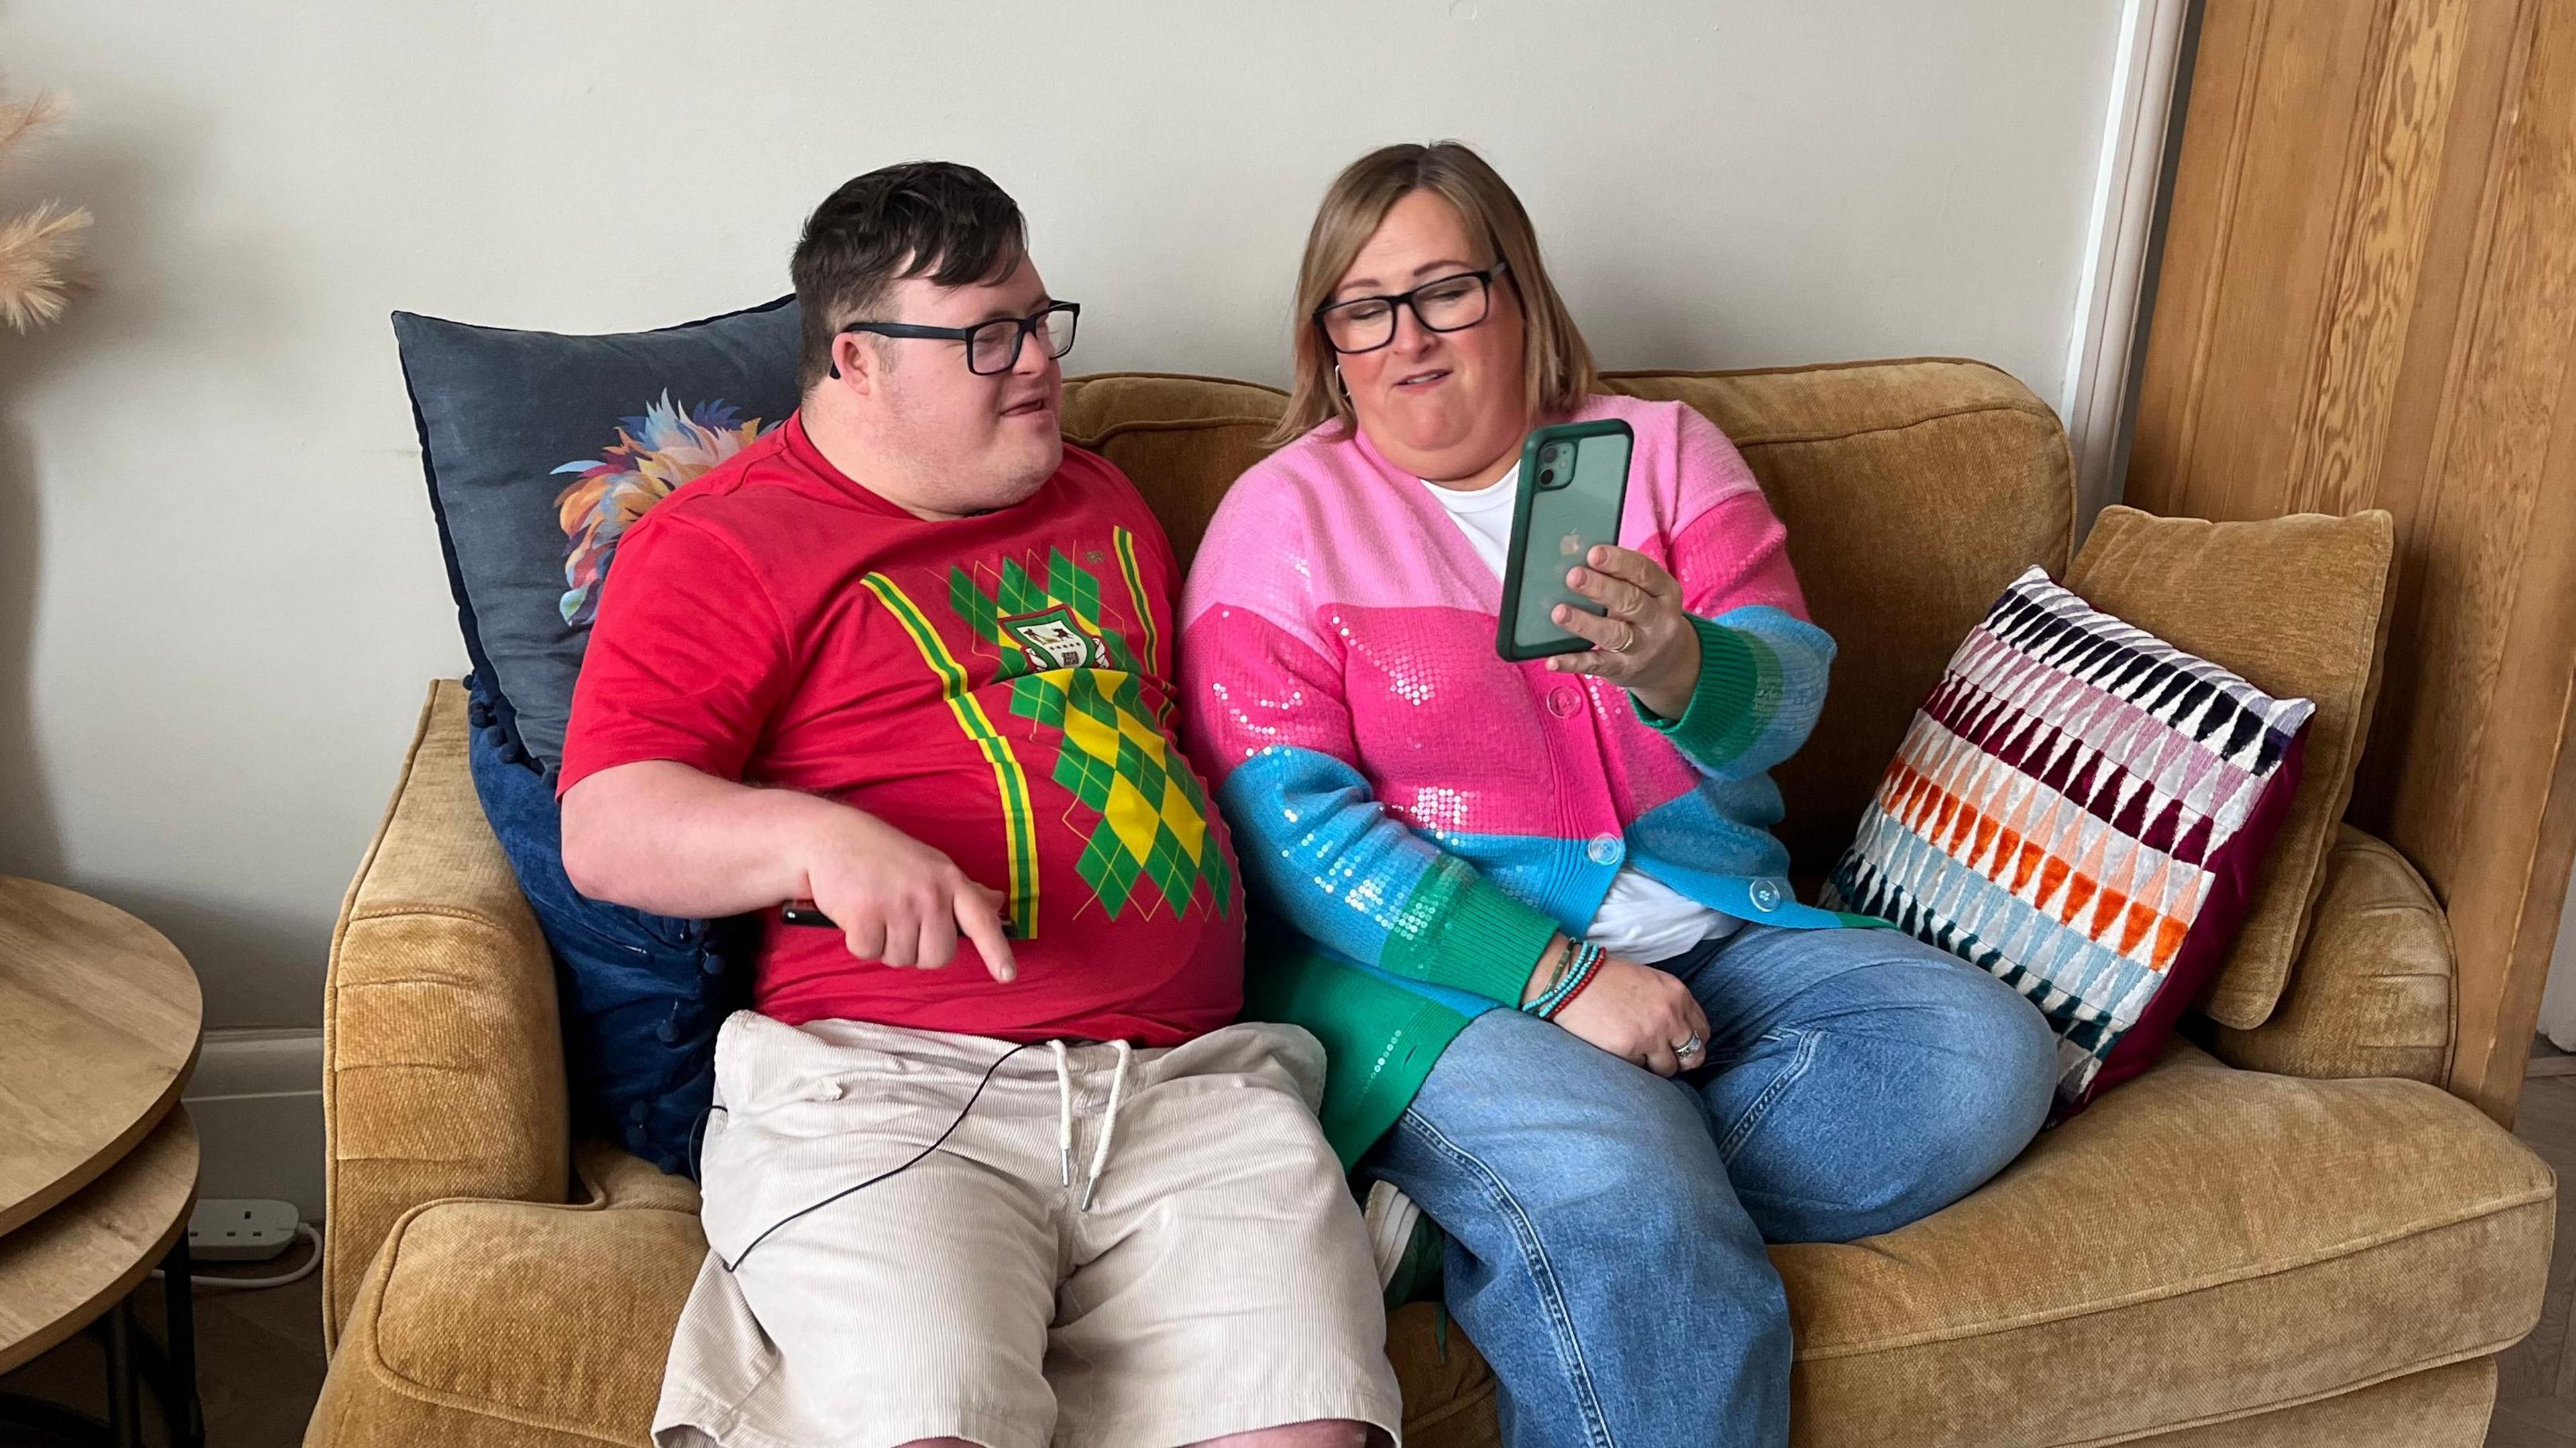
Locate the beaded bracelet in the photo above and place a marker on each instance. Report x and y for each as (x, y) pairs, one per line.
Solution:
(1587, 959)
(1586, 963)
(1571, 992)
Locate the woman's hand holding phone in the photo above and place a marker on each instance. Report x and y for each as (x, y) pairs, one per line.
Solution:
(1644, 643)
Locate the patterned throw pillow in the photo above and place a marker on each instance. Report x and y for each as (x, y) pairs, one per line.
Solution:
(2081, 809)
(541, 447)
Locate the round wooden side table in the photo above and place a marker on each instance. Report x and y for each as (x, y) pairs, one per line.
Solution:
(100, 1019)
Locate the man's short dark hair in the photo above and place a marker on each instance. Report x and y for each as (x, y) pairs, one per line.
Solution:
(937, 219)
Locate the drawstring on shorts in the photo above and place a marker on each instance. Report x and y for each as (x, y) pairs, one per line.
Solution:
(1108, 1117)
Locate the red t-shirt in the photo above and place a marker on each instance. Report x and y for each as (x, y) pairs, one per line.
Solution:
(997, 687)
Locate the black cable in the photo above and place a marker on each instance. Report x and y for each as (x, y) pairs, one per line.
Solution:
(916, 1160)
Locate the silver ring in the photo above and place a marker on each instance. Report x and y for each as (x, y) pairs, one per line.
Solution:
(1627, 643)
(1689, 1047)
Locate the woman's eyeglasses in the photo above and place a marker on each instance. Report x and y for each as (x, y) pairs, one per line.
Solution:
(1448, 304)
(993, 348)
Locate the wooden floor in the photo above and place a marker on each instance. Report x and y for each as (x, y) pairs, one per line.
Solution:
(2536, 1380)
(260, 1353)
(259, 1363)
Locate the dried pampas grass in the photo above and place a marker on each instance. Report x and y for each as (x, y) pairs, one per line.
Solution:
(17, 120)
(36, 249)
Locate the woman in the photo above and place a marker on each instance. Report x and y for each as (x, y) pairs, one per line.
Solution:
(1573, 1010)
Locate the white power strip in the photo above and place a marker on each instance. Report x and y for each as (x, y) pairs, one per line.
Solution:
(232, 1229)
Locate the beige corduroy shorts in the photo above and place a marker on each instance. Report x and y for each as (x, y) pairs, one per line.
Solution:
(1179, 1265)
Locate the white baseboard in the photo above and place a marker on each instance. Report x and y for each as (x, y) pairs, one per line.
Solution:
(256, 1099)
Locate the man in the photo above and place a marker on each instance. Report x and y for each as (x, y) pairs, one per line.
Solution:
(988, 1164)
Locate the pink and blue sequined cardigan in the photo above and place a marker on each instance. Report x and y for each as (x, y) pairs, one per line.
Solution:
(1428, 814)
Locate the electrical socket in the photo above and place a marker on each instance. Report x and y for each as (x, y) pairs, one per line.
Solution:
(235, 1229)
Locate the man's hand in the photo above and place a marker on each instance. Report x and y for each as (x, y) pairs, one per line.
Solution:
(898, 901)
(1640, 1014)
(663, 837)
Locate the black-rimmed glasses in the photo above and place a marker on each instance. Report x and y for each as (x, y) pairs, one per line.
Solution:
(993, 348)
(1448, 304)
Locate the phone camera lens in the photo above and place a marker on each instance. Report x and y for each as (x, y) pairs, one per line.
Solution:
(1547, 477)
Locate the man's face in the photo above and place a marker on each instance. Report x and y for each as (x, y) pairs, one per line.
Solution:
(961, 442)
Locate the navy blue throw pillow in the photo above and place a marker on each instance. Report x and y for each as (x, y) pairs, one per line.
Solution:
(641, 995)
(541, 448)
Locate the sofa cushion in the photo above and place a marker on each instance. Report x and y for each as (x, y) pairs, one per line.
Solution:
(2298, 606)
(1912, 493)
(1182, 440)
(2202, 1245)
(540, 447)
(2080, 809)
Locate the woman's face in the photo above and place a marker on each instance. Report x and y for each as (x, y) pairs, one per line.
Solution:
(1447, 406)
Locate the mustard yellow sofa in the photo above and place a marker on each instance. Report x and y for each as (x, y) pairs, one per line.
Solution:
(2299, 1240)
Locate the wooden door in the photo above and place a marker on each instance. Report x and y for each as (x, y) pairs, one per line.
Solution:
(2368, 299)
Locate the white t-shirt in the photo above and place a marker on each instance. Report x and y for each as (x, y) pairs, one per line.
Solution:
(1484, 515)
(1641, 918)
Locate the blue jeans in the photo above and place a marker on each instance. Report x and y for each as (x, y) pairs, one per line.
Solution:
(640, 996)
(1607, 1225)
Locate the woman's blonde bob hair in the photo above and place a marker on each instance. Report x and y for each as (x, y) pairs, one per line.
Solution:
(1557, 371)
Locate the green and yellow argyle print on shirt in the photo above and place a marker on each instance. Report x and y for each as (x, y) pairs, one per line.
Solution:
(1073, 673)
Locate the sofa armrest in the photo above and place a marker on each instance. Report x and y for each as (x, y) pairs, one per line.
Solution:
(2370, 994)
(443, 1072)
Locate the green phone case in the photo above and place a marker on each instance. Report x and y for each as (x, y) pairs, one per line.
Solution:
(1567, 505)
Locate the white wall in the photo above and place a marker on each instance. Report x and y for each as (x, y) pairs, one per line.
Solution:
(219, 589)
(2558, 993)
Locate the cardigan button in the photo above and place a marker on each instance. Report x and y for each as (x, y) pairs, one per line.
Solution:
(1604, 849)
(1563, 702)
(1766, 896)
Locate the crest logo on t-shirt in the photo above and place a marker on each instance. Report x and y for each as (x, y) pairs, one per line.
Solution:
(1052, 640)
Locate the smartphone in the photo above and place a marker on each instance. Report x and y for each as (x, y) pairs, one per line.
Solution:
(1573, 490)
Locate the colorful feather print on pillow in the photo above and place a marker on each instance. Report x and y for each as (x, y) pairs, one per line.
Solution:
(2081, 809)
(654, 453)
